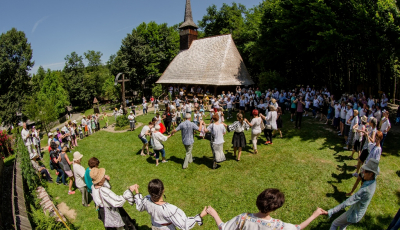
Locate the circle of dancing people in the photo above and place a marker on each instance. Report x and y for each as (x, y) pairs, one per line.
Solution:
(363, 122)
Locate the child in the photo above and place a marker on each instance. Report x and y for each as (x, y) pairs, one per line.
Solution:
(174, 116)
(178, 116)
(197, 117)
(93, 122)
(144, 107)
(221, 114)
(80, 132)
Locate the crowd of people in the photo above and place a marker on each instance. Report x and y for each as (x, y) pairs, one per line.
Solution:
(362, 121)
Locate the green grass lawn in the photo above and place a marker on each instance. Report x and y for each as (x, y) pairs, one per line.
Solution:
(308, 165)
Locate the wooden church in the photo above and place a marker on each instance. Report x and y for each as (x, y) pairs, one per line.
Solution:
(213, 62)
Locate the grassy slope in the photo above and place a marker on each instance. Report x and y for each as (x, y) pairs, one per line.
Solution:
(309, 166)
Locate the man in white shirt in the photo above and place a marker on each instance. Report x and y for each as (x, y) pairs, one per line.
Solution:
(385, 126)
(131, 119)
(371, 101)
(26, 137)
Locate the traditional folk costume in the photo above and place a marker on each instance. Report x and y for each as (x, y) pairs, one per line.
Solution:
(238, 139)
(166, 216)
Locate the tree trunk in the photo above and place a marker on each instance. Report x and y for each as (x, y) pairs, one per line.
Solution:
(378, 69)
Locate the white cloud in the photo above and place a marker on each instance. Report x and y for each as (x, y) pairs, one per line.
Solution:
(38, 22)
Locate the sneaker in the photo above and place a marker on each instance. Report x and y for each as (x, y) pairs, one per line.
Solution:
(355, 174)
(266, 143)
(65, 184)
(71, 192)
(164, 161)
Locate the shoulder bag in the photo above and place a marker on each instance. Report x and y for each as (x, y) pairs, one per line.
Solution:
(112, 217)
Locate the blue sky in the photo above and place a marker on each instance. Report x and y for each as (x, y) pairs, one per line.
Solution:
(56, 28)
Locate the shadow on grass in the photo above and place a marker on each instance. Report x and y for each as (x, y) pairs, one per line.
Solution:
(337, 195)
(143, 227)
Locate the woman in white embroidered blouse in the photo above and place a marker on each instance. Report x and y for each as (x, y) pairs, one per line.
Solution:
(110, 204)
(267, 202)
(164, 216)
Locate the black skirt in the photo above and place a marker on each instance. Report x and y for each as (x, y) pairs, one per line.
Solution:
(239, 140)
(279, 122)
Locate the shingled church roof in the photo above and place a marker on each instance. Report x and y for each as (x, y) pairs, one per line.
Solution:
(208, 61)
(188, 17)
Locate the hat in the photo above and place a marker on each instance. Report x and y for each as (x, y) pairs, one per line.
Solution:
(372, 165)
(97, 174)
(57, 129)
(349, 104)
(364, 118)
(77, 156)
(50, 134)
(116, 109)
(74, 122)
(131, 112)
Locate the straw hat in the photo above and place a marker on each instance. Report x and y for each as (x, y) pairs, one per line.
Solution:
(84, 116)
(273, 100)
(97, 174)
(50, 134)
(372, 165)
(364, 118)
(74, 122)
(77, 156)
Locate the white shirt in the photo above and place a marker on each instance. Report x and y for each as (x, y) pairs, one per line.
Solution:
(218, 131)
(108, 198)
(158, 138)
(370, 102)
(25, 137)
(271, 119)
(316, 103)
(343, 112)
(165, 214)
(79, 173)
(348, 115)
(229, 104)
(337, 111)
(198, 117)
(385, 125)
(131, 118)
(256, 125)
(145, 129)
(384, 102)
(378, 115)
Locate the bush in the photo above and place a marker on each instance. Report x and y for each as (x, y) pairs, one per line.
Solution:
(122, 121)
(5, 144)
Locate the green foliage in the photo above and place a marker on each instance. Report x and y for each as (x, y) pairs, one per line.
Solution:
(28, 172)
(157, 90)
(15, 62)
(146, 53)
(122, 121)
(93, 58)
(43, 221)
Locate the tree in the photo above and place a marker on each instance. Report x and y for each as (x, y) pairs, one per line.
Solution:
(93, 58)
(15, 62)
(74, 78)
(42, 110)
(146, 53)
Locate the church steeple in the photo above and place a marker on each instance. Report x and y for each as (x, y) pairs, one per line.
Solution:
(188, 17)
(188, 29)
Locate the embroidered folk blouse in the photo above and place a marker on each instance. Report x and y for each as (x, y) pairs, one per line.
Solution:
(166, 216)
(250, 222)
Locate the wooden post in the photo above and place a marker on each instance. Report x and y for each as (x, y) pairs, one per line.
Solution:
(123, 94)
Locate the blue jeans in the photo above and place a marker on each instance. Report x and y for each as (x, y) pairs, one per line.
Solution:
(144, 111)
(162, 151)
(395, 223)
(61, 175)
(383, 140)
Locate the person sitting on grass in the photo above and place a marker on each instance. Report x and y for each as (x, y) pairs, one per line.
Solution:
(267, 202)
(360, 200)
(142, 136)
(40, 168)
(164, 216)
(157, 138)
